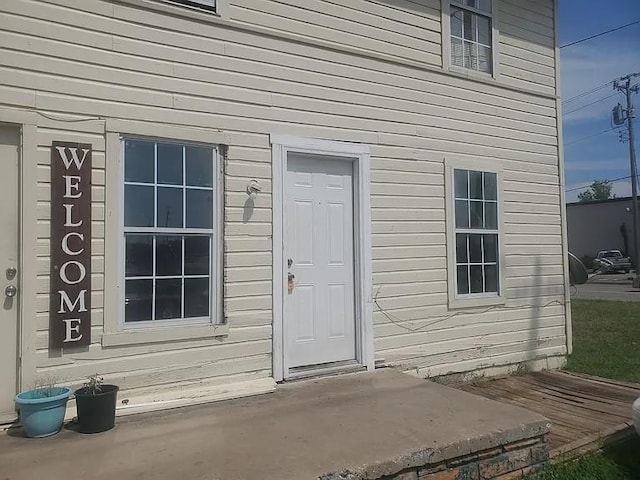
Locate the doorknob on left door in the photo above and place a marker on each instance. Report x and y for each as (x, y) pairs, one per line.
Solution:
(10, 291)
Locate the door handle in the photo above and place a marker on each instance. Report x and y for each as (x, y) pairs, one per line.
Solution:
(11, 291)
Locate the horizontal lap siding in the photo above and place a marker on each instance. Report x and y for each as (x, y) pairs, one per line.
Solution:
(526, 44)
(405, 29)
(140, 65)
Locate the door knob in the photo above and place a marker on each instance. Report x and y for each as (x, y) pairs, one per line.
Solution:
(10, 291)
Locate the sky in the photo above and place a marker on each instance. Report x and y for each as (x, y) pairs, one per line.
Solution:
(587, 66)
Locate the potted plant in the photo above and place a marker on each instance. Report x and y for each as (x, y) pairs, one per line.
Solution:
(96, 404)
(42, 409)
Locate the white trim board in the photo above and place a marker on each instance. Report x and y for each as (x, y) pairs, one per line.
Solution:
(282, 145)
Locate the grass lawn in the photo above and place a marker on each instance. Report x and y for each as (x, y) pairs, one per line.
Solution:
(620, 462)
(606, 339)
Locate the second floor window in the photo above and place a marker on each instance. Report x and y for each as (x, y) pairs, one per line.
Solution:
(471, 34)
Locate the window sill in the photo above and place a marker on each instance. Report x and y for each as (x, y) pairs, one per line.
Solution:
(475, 302)
(161, 335)
(472, 74)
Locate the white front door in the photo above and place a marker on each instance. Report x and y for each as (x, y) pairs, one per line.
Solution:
(319, 313)
(9, 158)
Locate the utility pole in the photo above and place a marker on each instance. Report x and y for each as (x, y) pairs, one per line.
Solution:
(623, 84)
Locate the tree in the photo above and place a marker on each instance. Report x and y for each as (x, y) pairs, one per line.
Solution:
(599, 190)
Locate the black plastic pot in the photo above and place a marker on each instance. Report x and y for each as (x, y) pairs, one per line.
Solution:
(96, 412)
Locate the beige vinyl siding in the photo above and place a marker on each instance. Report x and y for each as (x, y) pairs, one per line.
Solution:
(96, 59)
(526, 44)
(405, 29)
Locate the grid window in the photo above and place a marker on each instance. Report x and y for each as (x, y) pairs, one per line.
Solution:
(169, 243)
(471, 34)
(476, 232)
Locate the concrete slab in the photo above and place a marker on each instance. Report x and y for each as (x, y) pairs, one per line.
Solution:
(370, 424)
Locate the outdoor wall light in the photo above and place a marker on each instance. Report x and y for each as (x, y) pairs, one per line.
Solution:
(253, 188)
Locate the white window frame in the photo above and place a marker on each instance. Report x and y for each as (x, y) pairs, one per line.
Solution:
(113, 335)
(214, 233)
(198, 8)
(211, 5)
(215, 297)
(446, 41)
(472, 299)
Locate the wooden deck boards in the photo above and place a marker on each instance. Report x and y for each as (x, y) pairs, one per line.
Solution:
(582, 409)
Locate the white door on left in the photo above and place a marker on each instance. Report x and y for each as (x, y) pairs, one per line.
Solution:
(9, 234)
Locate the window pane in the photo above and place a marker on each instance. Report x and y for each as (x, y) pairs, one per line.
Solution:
(461, 181)
(199, 208)
(196, 297)
(491, 278)
(199, 165)
(139, 255)
(463, 280)
(138, 206)
(484, 30)
(484, 59)
(475, 184)
(484, 5)
(170, 164)
(457, 57)
(138, 161)
(196, 255)
(462, 214)
(470, 52)
(491, 215)
(461, 248)
(168, 298)
(490, 186)
(476, 214)
(475, 248)
(138, 300)
(169, 207)
(490, 248)
(169, 255)
(456, 22)
(470, 23)
(475, 272)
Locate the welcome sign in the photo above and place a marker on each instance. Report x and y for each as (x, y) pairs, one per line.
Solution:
(70, 299)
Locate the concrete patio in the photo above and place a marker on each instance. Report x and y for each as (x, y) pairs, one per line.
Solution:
(376, 425)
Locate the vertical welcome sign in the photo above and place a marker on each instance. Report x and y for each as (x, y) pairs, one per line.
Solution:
(70, 299)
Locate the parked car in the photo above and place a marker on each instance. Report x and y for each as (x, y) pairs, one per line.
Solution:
(612, 261)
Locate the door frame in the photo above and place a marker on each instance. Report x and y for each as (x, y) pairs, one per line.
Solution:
(26, 121)
(358, 155)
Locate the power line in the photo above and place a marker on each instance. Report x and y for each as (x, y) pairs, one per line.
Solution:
(599, 34)
(589, 104)
(587, 186)
(590, 136)
(588, 92)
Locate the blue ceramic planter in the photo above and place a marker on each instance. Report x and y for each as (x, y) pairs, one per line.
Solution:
(42, 411)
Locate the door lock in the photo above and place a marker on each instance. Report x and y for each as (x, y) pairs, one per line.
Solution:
(11, 291)
(11, 273)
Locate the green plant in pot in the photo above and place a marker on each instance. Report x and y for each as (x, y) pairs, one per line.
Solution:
(96, 404)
